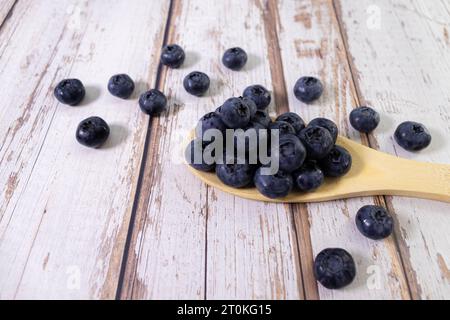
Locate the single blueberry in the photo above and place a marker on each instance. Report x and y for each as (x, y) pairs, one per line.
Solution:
(292, 153)
(251, 105)
(337, 163)
(259, 94)
(374, 222)
(196, 83)
(235, 175)
(121, 86)
(262, 117)
(153, 102)
(172, 56)
(308, 89)
(309, 177)
(234, 58)
(235, 113)
(211, 120)
(195, 156)
(334, 268)
(327, 124)
(92, 132)
(283, 127)
(273, 186)
(293, 119)
(70, 91)
(317, 140)
(412, 136)
(364, 119)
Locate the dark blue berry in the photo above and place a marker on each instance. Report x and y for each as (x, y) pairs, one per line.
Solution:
(234, 58)
(283, 127)
(293, 119)
(194, 155)
(235, 113)
(308, 89)
(273, 186)
(337, 163)
(251, 131)
(153, 102)
(172, 56)
(374, 222)
(251, 105)
(121, 86)
(210, 120)
(259, 94)
(309, 177)
(262, 117)
(92, 132)
(412, 136)
(292, 153)
(317, 140)
(334, 268)
(70, 91)
(364, 119)
(327, 124)
(196, 83)
(235, 175)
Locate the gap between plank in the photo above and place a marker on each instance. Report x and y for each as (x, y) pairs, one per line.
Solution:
(8, 14)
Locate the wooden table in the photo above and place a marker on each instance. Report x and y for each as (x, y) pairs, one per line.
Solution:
(129, 221)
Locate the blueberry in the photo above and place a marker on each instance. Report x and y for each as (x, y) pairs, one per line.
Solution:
(334, 268)
(337, 163)
(235, 175)
(153, 102)
(210, 120)
(374, 222)
(327, 124)
(70, 91)
(196, 83)
(283, 126)
(293, 119)
(262, 117)
(92, 132)
(251, 105)
(309, 177)
(317, 140)
(194, 156)
(292, 153)
(259, 94)
(121, 86)
(412, 136)
(234, 58)
(364, 119)
(308, 89)
(273, 186)
(257, 128)
(235, 113)
(172, 56)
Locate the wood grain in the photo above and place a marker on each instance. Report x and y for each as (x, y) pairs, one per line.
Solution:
(405, 76)
(6, 7)
(65, 208)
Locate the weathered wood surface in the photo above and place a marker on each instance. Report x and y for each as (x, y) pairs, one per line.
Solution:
(5, 9)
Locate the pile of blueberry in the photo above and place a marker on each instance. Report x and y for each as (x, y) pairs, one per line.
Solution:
(307, 152)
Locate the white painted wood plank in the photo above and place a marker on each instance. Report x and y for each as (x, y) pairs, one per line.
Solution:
(5, 8)
(401, 56)
(310, 44)
(65, 208)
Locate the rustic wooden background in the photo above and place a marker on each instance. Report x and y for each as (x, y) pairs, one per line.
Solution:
(128, 222)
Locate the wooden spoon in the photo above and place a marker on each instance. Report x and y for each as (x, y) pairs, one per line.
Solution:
(372, 173)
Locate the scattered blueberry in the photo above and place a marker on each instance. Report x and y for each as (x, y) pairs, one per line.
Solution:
(374, 222)
(235, 175)
(235, 113)
(334, 268)
(92, 132)
(210, 120)
(273, 186)
(293, 119)
(259, 94)
(121, 86)
(308, 89)
(172, 56)
(153, 102)
(309, 177)
(364, 119)
(327, 124)
(234, 58)
(317, 140)
(196, 83)
(292, 153)
(337, 163)
(412, 136)
(283, 126)
(194, 155)
(70, 91)
(262, 117)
